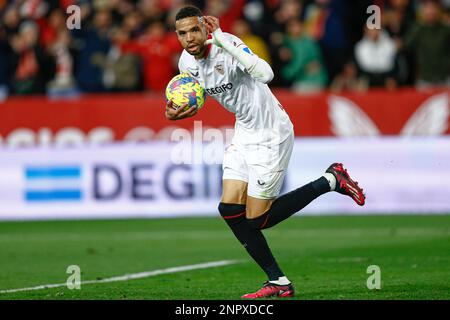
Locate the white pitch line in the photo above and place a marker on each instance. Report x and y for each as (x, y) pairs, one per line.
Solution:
(133, 276)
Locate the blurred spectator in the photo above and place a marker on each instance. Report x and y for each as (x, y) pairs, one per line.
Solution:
(50, 29)
(227, 11)
(429, 40)
(32, 9)
(56, 40)
(91, 41)
(324, 22)
(316, 14)
(375, 56)
(11, 21)
(120, 70)
(258, 14)
(159, 51)
(398, 17)
(130, 44)
(347, 80)
(63, 83)
(103, 5)
(152, 11)
(120, 9)
(3, 5)
(286, 10)
(241, 29)
(446, 15)
(33, 68)
(5, 64)
(133, 23)
(304, 66)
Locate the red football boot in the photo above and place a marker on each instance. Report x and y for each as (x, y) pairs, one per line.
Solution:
(345, 184)
(270, 290)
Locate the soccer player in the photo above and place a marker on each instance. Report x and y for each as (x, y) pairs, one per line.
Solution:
(255, 163)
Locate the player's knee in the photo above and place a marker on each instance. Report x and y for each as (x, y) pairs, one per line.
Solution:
(232, 212)
(258, 223)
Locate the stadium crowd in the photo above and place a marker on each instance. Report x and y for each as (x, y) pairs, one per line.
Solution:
(130, 45)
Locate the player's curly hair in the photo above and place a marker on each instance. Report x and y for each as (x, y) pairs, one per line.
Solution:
(188, 11)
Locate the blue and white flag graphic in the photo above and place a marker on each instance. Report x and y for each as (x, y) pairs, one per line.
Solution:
(53, 183)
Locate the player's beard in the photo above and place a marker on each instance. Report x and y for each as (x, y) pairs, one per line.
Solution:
(200, 50)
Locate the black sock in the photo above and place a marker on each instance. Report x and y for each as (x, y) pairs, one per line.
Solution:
(252, 239)
(290, 203)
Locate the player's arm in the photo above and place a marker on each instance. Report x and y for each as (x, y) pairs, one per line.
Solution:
(255, 66)
(179, 113)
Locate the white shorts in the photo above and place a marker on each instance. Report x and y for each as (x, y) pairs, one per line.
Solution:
(262, 167)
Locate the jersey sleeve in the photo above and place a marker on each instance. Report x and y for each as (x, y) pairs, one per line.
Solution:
(238, 43)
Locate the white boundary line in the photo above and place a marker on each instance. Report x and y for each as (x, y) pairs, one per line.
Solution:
(133, 276)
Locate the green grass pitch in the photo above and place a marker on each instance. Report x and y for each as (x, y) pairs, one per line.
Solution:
(326, 257)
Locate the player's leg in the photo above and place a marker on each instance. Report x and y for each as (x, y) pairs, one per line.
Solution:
(256, 207)
(266, 174)
(233, 210)
(234, 191)
(263, 214)
(278, 284)
(267, 168)
(264, 210)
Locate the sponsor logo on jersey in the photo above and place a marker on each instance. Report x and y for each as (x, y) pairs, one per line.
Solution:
(193, 72)
(220, 89)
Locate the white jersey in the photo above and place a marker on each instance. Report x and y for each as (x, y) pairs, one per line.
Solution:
(260, 118)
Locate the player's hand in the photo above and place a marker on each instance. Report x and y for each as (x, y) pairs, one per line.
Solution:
(213, 27)
(211, 23)
(179, 113)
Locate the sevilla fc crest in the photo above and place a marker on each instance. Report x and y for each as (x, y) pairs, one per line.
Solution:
(219, 69)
